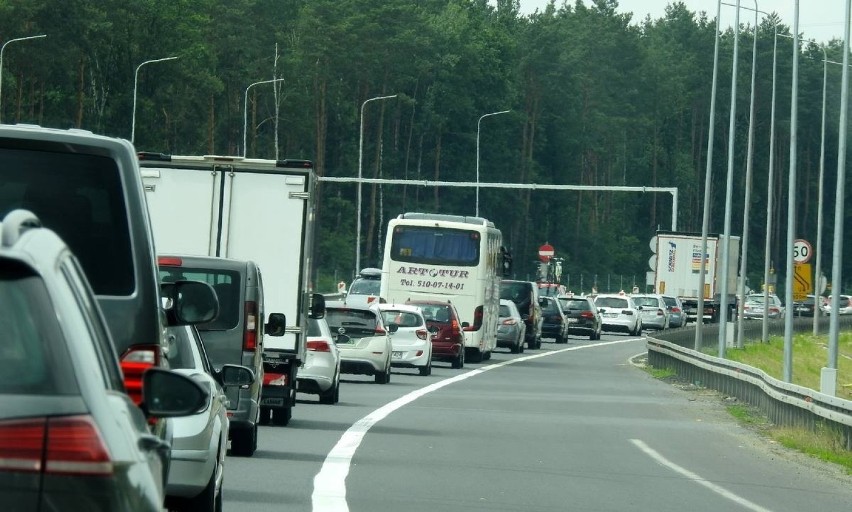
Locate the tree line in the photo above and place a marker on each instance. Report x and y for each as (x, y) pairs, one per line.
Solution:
(595, 97)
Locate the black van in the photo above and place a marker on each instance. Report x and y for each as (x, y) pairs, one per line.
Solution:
(525, 295)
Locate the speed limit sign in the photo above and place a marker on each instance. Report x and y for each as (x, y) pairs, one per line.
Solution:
(802, 251)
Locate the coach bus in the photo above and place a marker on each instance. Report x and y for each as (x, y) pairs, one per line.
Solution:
(449, 258)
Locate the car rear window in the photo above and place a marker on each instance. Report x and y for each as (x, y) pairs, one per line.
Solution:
(670, 301)
(401, 318)
(519, 293)
(647, 301)
(79, 196)
(611, 302)
(34, 355)
(356, 323)
(363, 286)
(226, 283)
(505, 311)
(551, 306)
(582, 305)
(438, 313)
(181, 348)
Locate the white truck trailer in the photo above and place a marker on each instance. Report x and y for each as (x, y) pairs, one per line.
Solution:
(246, 209)
(677, 271)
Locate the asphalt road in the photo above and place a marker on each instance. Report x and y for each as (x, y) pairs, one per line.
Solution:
(568, 427)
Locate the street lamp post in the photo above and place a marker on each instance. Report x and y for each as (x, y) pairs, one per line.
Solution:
(135, 88)
(2, 49)
(477, 152)
(245, 109)
(708, 175)
(360, 163)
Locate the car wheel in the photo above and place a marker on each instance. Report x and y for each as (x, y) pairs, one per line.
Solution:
(207, 500)
(516, 347)
(281, 417)
(244, 441)
(384, 377)
(426, 370)
(458, 362)
(538, 342)
(475, 356)
(331, 395)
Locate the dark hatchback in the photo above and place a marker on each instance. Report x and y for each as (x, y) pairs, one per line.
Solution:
(442, 320)
(582, 315)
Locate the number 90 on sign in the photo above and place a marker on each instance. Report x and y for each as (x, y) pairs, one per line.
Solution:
(802, 251)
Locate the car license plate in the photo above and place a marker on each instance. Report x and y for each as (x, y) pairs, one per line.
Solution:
(611, 315)
(272, 401)
(396, 355)
(572, 320)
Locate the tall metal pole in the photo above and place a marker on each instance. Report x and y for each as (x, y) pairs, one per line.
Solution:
(2, 49)
(770, 195)
(477, 152)
(791, 203)
(245, 110)
(818, 270)
(708, 175)
(360, 162)
(829, 375)
(747, 199)
(729, 192)
(135, 87)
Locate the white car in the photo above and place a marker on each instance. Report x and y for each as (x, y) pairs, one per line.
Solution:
(364, 290)
(412, 342)
(363, 340)
(197, 470)
(653, 310)
(844, 306)
(320, 373)
(619, 313)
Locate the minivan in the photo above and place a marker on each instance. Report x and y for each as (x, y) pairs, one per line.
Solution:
(525, 295)
(235, 336)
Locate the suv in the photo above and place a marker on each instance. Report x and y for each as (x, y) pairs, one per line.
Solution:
(525, 295)
(442, 320)
(582, 316)
(235, 336)
(67, 420)
(88, 189)
(365, 289)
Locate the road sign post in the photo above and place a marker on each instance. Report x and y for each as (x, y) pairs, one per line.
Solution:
(546, 252)
(802, 251)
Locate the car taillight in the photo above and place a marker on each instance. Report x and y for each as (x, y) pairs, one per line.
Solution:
(509, 321)
(587, 314)
(454, 325)
(676, 309)
(250, 333)
(134, 362)
(69, 445)
(317, 346)
(627, 312)
(422, 334)
(274, 379)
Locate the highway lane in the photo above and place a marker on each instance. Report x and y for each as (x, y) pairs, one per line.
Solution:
(571, 427)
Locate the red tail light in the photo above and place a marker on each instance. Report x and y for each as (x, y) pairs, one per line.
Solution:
(169, 261)
(134, 362)
(454, 325)
(274, 379)
(71, 446)
(250, 334)
(422, 334)
(677, 309)
(509, 321)
(318, 346)
(587, 314)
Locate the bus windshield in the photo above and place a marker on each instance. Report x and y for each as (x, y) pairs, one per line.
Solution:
(435, 246)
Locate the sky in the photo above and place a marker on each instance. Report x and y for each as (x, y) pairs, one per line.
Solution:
(821, 20)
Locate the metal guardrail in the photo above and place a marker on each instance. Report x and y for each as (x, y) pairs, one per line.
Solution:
(785, 404)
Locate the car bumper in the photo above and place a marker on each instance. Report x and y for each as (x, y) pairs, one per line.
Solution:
(445, 350)
(359, 366)
(409, 358)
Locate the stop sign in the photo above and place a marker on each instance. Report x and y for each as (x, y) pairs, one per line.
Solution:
(545, 252)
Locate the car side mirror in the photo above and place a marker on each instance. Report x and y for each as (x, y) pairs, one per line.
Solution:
(392, 327)
(277, 324)
(465, 325)
(525, 317)
(166, 394)
(317, 307)
(189, 302)
(233, 375)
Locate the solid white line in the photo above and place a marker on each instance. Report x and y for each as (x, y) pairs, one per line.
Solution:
(330, 483)
(697, 479)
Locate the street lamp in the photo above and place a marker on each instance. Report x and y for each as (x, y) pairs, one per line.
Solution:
(245, 108)
(477, 152)
(2, 48)
(360, 162)
(135, 87)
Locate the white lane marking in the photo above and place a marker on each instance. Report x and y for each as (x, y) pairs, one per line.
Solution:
(696, 478)
(330, 483)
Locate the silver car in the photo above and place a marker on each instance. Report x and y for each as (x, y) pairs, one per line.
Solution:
(201, 440)
(677, 316)
(511, 329)
(71, 437)
(653, 310)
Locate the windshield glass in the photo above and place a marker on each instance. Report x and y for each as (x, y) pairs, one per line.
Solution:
(436, 246)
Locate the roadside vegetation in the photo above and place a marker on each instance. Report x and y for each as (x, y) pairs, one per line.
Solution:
(810, 355)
